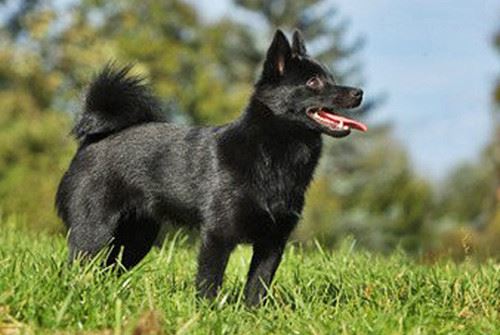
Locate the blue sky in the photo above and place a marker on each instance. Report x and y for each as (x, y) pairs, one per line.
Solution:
(434, 60)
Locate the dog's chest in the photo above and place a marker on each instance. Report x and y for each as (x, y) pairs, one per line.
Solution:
(269, 172)
(282, 176)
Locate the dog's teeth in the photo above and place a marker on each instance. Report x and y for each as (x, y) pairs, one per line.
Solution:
(341, 124)
(346, 128)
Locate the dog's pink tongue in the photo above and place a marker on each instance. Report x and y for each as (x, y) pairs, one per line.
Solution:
(347, 122)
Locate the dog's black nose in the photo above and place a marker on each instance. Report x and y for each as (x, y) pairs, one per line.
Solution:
(356, 93)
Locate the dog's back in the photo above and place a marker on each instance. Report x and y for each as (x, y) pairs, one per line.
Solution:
(135, 168)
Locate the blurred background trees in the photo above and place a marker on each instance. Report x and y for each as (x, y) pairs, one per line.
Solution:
(203, 72)
(467, 209)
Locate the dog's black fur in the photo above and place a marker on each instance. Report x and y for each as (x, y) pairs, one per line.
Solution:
(243, 182)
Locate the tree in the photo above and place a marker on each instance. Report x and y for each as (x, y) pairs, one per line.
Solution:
(493, 151)
(469, 204)
(32, 145)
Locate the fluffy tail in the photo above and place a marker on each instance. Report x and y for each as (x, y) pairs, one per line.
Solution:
(115, 100)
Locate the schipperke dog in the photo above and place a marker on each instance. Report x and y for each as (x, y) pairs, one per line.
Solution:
(242, 182)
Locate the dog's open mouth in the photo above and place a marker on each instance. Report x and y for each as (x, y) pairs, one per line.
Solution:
(333, 121)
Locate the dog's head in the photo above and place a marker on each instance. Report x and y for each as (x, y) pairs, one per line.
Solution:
(297, 88)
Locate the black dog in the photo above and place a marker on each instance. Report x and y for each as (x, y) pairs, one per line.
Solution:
(243, 182)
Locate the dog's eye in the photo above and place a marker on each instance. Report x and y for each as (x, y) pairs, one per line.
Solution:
(314, 83)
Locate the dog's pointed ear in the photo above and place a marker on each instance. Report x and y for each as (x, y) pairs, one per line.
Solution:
(278, 55)
(298, 45)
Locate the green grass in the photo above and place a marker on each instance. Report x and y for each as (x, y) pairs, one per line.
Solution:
(315, 292)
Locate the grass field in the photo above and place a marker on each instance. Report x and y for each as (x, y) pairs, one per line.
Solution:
(315, 292)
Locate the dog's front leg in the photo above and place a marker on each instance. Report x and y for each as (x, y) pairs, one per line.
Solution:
(265, 260)
(212, 261)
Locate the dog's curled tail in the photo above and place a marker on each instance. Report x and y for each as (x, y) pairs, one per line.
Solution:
(115, 100)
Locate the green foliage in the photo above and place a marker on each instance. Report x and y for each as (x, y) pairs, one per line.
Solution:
(492, 155)
(320, 292)
(34, 146)
(467, 193)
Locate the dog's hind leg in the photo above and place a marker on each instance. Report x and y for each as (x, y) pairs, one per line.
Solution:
(134, 238)
(89, 237)
(130, 237)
